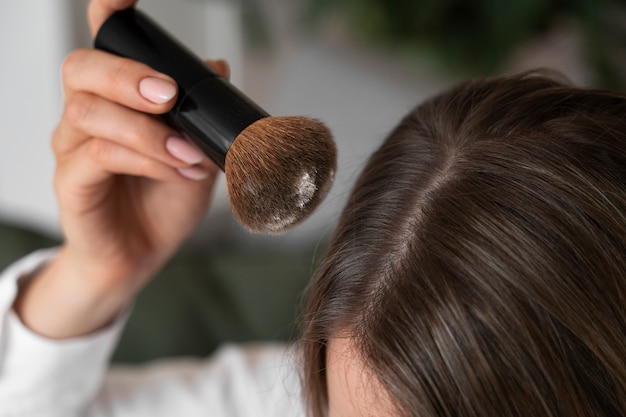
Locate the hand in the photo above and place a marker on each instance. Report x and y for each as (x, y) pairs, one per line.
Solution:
(129, 190)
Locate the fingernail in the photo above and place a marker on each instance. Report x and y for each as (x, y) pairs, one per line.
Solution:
(196, 172)
(157, 90)
(184, 150)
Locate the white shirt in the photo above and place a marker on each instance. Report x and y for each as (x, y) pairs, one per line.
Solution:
(40, 377)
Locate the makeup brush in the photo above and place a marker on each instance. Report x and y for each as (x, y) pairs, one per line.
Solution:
(278, 169)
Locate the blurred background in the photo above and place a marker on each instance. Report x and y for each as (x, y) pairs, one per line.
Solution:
(357, 65)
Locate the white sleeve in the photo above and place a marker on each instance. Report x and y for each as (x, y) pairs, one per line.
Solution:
(69, 378)
(40, 377)
(244, 381)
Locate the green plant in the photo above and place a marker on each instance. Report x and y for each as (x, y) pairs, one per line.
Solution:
(476, 36)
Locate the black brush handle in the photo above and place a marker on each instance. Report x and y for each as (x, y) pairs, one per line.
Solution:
(209, 110)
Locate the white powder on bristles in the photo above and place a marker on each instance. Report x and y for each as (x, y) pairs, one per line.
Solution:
(306, 189)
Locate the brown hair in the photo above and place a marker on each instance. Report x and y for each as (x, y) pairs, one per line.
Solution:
(479, 266)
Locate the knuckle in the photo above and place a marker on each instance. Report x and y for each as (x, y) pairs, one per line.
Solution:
(72, 63)
(78, 108)
(119, 73)
(98, 150)
(143, 128)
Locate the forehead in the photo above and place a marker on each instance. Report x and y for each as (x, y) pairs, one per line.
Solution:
(353, 389)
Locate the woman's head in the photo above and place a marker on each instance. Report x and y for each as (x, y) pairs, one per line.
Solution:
(479, 268)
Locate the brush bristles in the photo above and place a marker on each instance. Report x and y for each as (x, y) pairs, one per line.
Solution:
(278, 170)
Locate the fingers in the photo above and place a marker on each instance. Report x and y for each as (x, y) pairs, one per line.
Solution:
(121, 80)
(109, 97)
(109, 106)
(95, 160)
(99, 10)
(220, 66)
(84, 181)
(125, 81)
(87, 116)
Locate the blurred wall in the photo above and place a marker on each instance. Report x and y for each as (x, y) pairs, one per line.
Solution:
(33, 45)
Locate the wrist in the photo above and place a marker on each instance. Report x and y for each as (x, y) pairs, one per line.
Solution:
(67, 299)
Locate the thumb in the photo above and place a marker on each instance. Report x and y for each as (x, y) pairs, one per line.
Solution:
(99, 10)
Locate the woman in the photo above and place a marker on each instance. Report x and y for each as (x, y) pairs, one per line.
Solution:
(477, 270)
